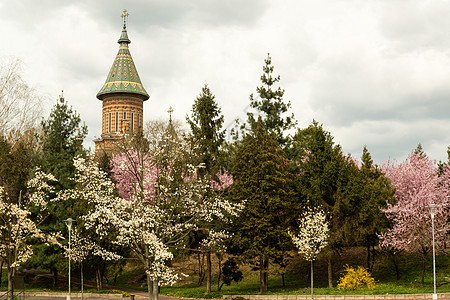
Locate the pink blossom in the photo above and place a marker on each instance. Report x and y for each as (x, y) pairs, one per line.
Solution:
(135, 175)
(224, 180)
(417, 185)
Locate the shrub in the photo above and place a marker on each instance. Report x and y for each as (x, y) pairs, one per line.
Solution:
(355, 278)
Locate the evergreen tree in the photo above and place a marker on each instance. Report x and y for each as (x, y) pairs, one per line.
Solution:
(270, 105)
(419, 151)
(206, 130)
(324, 174)
(375, 192)
(60, 142)
(262, 181)
(206, 133)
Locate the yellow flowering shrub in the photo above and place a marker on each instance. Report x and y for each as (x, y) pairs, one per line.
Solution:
(355, 278)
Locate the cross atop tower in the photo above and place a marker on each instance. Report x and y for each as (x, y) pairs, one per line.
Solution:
(170, 111)
(124, 16)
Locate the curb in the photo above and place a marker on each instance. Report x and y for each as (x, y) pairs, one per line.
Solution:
(336, 297)
(72, 295)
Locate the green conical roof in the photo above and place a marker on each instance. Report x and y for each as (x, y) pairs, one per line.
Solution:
(123, 76)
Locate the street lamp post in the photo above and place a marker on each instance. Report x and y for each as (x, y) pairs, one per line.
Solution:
(69, 222)
(433, 212)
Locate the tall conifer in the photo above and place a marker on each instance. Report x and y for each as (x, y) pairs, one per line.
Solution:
(262, 181)
(271, 106)
(206, 133)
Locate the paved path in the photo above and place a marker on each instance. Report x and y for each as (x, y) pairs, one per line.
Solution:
(137, 294)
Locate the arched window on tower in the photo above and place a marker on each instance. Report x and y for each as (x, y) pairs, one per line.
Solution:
(132, 122)
(109, 122)
(116, 122)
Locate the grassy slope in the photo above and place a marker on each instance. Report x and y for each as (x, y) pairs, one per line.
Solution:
(297, 277)
(298, 282)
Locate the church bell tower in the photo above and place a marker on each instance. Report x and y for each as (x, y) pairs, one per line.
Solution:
(123, 96)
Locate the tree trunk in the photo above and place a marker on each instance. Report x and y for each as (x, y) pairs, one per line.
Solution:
(397, 269)
(149, 288)
(423, 268)
(82, 281)
(155, 290)
(201, 272)
(208, 272)
(373, 257)
(266, 273)
(368, 255)
(98, 278)
(263, 273)
(220, 272)
(55, 276)
(104, 273)
(1, 273)
(312, 280)
(10, 283)
(11, 274)
(330, 270)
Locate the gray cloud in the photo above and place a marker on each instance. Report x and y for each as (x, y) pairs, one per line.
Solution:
(415, 25)
(374, 72)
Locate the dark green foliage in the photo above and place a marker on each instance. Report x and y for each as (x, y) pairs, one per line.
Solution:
(262, 181)
(230, 272)
(320, 163)
(419, 151)
(374, 194)
(270, 103)
(206, 130)
(15, 166)
(61, 141)
(206, 133)
(351, 196)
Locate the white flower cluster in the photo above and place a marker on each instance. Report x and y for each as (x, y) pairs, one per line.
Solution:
(149, 227)
(216, 241)
(312, 234)
(16, 226)
(41, 189)
(82, 247)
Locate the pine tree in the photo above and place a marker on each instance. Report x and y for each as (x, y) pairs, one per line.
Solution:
(271, 105)
(60, 142)
(206, 132)
(323, 177)
(375, 192)
(262, 181)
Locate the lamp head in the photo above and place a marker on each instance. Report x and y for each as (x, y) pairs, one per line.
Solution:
(432, 209)
(69, 222)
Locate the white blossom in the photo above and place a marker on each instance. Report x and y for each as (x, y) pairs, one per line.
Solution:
(149, 223)
(17, 229)
(312, 234)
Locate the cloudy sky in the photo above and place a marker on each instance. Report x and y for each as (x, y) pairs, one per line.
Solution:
(374, 72)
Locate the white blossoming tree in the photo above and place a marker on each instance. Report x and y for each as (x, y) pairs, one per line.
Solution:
(312, 237)
(158, 207)
(18, 228)
(82, 248)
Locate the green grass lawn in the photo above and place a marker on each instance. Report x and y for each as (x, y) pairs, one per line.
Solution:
(296, 277)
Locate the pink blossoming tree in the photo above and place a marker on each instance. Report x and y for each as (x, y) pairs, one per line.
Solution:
(417, 185)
